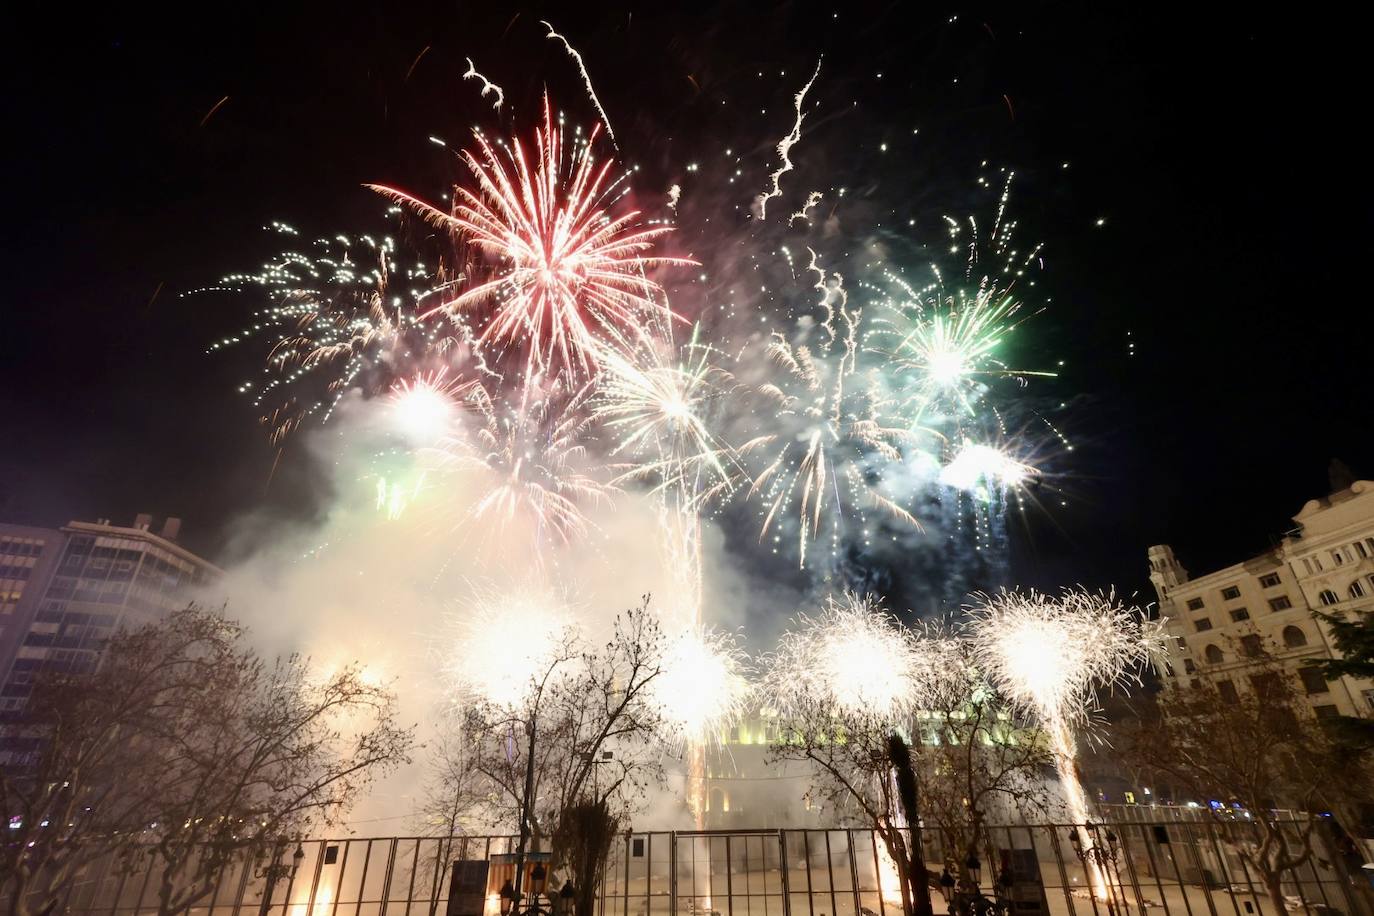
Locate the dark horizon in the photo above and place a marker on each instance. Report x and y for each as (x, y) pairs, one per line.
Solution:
(1211, 146)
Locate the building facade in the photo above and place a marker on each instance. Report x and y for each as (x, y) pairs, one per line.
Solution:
(64, 591)
(27, 558)
(1222, 622)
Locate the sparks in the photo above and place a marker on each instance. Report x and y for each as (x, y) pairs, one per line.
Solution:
(487, 85)
(586, 78)
(853, 655)
(569, 277)
(785, 146)
(1049, 655)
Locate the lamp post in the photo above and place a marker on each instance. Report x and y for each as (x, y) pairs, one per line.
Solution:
(539, 877)
(968, 898)
(1100, 857)
(276, 870)
(511, 898)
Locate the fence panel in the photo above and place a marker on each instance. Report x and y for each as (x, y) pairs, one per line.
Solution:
(1167, 866)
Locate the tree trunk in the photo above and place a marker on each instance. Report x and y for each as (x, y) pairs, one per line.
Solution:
(919, 879)
(1273, 883)
(19, 904)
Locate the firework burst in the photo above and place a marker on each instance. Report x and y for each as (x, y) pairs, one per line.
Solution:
(703, 686)
(830, 436)
(657, 411)
(481, 659)
(1049, 655)
(852, 656)
(344, 314)
(423, 407)
(525, 465)
(566, 274)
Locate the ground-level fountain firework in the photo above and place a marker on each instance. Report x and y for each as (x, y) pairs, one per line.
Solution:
(562, 362)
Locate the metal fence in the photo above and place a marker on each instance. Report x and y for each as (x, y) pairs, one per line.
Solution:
(1174, 868)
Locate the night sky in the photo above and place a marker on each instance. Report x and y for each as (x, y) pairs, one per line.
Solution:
(1224, 153)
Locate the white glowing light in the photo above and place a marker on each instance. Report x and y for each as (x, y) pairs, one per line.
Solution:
(946, 367)
(977, 465)
(853, 655)
(506, 642)
(702, 686)
(422, 409)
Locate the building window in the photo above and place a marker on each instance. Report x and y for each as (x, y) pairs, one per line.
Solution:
(1250, 645)
(1203, 624)
(1267, 686)
(1212, 654)
(1312, 681)
(1269, 580)
(1194, 604)
(1240, 614)
(1327, 596)
(1326, 712)
(1294, 637)
(1356, 589)
(1189, 667)
(1228, 692)
(1362, 550)
(1230, 593)
(1338, 557)
(1181, 643)
(1281, 603)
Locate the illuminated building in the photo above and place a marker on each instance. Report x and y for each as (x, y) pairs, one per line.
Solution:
(27, 556)
(1222, 622)
(745, 789)
(78, 585)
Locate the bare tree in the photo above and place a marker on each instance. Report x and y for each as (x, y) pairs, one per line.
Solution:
(263, 752)
(1256, 744)
(976, 761)
(183, 752)
(852, 753)
(83, 774)
(583, 739)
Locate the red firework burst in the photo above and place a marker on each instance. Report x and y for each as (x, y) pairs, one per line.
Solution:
(570, 277)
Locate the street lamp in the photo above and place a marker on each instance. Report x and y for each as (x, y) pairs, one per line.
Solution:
(564, 906)
(1099, 857)
(507, 898)
(975, 868)
(276, 870)
(538, 878)
(947, 885)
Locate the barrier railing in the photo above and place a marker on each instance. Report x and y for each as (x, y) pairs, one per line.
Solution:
(1173, 868)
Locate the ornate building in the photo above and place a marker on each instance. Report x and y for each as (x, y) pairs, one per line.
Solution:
(1221, 622)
